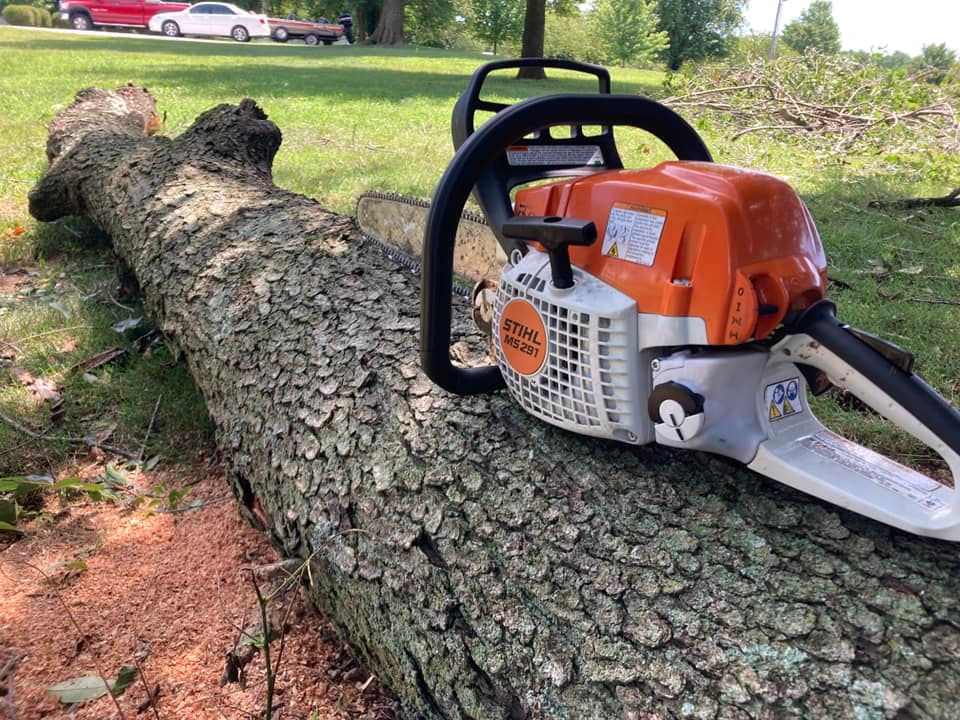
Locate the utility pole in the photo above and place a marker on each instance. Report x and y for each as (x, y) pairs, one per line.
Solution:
(776, 30)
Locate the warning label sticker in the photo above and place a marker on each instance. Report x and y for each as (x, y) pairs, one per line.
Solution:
(554, 155)
(782, 399)
(633, 233)
(873, 466)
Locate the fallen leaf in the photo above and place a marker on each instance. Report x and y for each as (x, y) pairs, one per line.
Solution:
(91, 363)
(18, 230)
(88, 687)
(125, 325)
(911, 270)
(116, 476)
(101, 435)
(125, 678)
(45, 390)
(22, 375)
(62, 310)
(40, 387)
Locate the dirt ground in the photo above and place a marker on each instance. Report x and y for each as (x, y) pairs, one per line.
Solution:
(171, 586)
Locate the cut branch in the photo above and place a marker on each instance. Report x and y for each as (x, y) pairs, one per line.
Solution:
(760, 96)
(949, 200)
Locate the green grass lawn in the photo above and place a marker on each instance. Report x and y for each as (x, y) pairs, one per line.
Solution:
(352, 118)
(355, 119)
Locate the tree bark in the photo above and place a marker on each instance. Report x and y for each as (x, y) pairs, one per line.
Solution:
(390, 24)
(361, 25)
(483, 564)
(534, 27)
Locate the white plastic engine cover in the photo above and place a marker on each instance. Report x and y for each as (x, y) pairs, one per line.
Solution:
(584, 372)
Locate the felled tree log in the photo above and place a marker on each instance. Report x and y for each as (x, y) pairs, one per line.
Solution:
(484, 564)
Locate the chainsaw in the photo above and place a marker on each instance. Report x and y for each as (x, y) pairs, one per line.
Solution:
(682, 304)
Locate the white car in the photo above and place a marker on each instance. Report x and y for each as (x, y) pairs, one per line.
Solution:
(211, 18)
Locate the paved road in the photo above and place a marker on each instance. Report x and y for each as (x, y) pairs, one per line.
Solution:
(144, 35)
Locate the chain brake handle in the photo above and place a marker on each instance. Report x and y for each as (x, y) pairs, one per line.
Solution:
(489, 190)
(479, 163)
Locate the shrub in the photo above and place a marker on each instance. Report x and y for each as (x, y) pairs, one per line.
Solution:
(42, 17)
(20, 15)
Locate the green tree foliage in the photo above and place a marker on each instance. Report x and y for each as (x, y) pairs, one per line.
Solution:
(894, 61)
(698, 29)
(627, 30)
(755, 46)
(437, 23)
(888, 61)
(936, 61)
(495, 21)
(305, 9)
(571, 37)
(815, 29)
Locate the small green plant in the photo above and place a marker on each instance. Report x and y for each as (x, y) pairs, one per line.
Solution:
(42, 17)
(162, 498)
(16, 490)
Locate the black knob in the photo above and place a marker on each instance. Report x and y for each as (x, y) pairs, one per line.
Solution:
(556, 234)
(691, 402)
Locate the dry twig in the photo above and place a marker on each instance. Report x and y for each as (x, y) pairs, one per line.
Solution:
(80, 632)
(88, 441)
(13, 656)
(951, 199)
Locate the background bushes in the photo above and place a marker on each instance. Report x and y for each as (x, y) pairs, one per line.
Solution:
(27, 15)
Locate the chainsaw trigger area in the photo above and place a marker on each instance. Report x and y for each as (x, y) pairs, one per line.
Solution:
(799, 451)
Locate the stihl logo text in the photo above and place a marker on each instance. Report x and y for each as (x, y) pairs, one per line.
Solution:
(515, 332)
(522, 337)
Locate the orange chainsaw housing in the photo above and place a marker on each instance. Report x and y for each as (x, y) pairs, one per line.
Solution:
(737, 248)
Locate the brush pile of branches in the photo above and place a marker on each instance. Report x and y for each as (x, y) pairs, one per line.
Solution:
(850, 104)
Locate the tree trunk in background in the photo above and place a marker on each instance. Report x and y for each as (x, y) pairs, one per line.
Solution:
(361, 24)
(483, 564)
(534, 24)
(390, 25)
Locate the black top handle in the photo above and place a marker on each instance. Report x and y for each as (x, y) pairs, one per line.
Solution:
(565, 160)
(464, 112)
(475, 156)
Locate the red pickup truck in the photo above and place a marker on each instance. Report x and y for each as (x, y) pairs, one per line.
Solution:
(88, 14)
